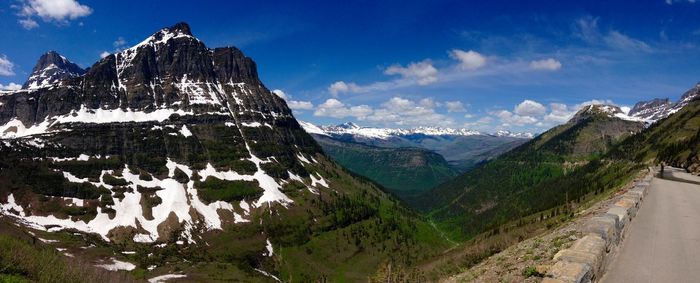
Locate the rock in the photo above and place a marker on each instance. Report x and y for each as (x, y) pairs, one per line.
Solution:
(542, 268)
(50, 69)
(640, 189)
(570, 272)
(603, 226)
(628, 204)
(637, 196)
(622, 216)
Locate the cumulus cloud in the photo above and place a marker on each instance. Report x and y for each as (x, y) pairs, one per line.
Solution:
(455, 106)
(469, 60)
(104, 54)
(10, 86)
(396, 111)
(336, 109)
(510, 119)
(342, 87)
(119, 43)
(530, 108)
(6, 66)
(56, 11)
(559, 114)
(280, 93)
(549, 64)
(28, 23)
(300, 105)
(296, 105)
(423, 72)
(406, 112)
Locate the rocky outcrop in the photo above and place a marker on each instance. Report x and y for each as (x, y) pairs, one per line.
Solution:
(652, 109)
(167, 103)
(51, 69)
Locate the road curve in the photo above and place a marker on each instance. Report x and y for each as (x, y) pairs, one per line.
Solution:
(663, 241)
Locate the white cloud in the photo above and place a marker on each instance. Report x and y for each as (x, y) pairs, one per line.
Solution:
(548, 64)
(423, 72)
(28, 23)
(280, 93)
(670, 2)
(55, 11)
(300, 105)
(336, 109)
(559, 114)
(509, 119)
(587, 29)
(406, 112)
(104, 54)
(396, 111)
(620, 41)
(10, 86)
(530, 108)
(342, 87)
(469, 60)
(119, 43)
(6, 66)
(455, 106)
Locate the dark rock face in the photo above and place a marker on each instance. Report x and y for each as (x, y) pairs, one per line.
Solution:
(657, 109)
(132, 106)
(50, 69)
(652, 110)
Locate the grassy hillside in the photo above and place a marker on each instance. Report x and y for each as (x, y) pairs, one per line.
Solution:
(403, 171)
(25, 259)
(558, 166)
(674, 140)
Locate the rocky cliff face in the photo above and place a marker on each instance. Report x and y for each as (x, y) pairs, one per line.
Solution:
(125, 130)
(51, 69)
(657, 109)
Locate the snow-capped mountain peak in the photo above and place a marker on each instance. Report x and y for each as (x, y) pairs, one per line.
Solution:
(350, 128)
(657, 109)
(50, 69)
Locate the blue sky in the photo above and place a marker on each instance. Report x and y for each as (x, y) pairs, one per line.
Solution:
(518, 65)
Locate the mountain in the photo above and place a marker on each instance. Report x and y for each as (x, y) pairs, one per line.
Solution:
(409, 161)
(674, 140)
(51, 69)
(496, 192)
(657, 109)
(462, 148)
(170, 155)
(404, 171)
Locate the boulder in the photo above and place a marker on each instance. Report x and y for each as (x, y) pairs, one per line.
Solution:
(570, 272)
(629, 204)
(622, 216)
(604, 227)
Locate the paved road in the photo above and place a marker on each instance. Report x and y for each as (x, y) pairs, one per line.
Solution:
(663, 243)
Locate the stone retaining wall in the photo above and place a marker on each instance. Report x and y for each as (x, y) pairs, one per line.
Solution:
(586, 259)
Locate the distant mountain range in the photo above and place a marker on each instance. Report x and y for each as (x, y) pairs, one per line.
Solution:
(350, 128)
(410, 161)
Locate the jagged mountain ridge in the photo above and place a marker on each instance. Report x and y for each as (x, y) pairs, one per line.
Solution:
(170, 83)
(657, 109)
(170, 142)
(51, 69)
(351, 128)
